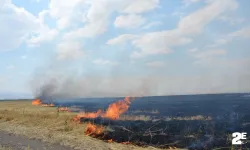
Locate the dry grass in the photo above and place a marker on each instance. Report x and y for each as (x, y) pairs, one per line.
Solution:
(45, 123)
(198, 117)
(5, 148)
(135, 117)
(155, 111)
(169, 118)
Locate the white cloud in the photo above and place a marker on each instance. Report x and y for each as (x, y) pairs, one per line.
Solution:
(219, 42)
(105, 62)
(207, 55)
(239, 34)
(121, 39)
(157, 43)
(42, 15)
(222, 41)
(232, 20)
(10, 67)
(44, 34)
(242, 33)
(129, 21)
(187, 29)
(152, 24)
(156, 64)
(138, 6)
(16, 25)
(67, 13)
(99, 12)
(69, 50)
(195, 22)
(210, 53)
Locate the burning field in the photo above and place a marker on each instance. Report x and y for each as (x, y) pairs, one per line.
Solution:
(107, 126)
(118, 124)
(131, 123)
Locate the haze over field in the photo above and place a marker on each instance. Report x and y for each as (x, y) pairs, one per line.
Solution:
(118, 47)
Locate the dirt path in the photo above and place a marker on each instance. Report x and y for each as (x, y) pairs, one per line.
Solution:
(17, 142)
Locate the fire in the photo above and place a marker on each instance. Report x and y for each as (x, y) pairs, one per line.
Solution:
(116, 109)
(36, 102)
(87, 115)
(39, 102)
(92, 129)
(113, 112)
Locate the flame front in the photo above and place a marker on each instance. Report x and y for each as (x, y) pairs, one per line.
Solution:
(94, 130)
(36, 102)
(113, 112)
(87, 115)
(116, 109)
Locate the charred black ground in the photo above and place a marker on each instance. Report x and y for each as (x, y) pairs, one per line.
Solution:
(172, 120)
(191, 134)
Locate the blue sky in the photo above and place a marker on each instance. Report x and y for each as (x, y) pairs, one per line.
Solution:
(118, 47)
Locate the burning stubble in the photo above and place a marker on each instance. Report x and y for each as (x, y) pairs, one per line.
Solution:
(36, 102)
(94, 130)
(116, 109)
(113, 112)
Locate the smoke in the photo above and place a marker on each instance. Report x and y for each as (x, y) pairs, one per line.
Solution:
(61, 81)
(86, 86)
(52, 87)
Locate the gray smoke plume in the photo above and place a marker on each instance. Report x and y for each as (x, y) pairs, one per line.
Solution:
(60, 81)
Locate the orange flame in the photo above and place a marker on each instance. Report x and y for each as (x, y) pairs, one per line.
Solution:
(36, 102)
(116, 109)
(92, 129)
(113, 112)
(87, 115)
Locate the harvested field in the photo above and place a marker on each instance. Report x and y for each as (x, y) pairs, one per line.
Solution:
(178, 125)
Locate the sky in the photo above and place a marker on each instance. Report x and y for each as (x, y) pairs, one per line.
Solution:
(121, 47)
